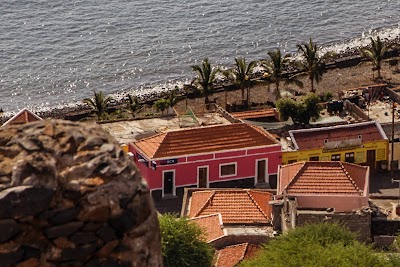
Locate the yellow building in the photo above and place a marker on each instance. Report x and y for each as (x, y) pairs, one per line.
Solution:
(363, 143)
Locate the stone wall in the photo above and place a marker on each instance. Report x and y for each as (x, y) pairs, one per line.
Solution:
(356, 222)
(69, 196)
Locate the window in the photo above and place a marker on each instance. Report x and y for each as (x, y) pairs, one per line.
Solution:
(227, 169)
(349, 157)
(314, 158)
(335, 157)
(292, 161)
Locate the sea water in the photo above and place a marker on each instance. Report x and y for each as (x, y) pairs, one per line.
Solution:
(55, 53)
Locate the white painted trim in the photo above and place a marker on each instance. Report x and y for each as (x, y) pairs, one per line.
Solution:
(173, 182)
(216, 152)
(214, 159)
(208, 175)
(19, 113)
(226, 164)
(266, 175)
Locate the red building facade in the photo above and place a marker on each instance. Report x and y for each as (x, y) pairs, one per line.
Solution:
(234, 155)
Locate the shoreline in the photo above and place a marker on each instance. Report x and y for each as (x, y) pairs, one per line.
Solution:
(347, 59)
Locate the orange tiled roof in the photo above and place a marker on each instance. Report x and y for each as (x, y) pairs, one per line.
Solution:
(321, 178)
(315, 137)
(212, 225)
(232, 255)
(251, 114)
(23, 116)
(237, 206)
(203, 140)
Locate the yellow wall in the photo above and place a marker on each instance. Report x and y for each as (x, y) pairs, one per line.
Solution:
(396, 156)
(360, 153)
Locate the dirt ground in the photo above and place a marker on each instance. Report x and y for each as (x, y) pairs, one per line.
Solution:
(334, 80)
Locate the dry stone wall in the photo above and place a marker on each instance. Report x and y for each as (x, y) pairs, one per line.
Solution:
(69, 196)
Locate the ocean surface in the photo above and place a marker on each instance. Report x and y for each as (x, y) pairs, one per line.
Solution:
(55, 53)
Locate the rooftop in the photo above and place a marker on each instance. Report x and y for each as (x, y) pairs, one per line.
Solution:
(212, 225)
(204, 139)
(230, 256)
(323, 178)
(236, 206)
(253, 114)
(23, 116)
(337, 136)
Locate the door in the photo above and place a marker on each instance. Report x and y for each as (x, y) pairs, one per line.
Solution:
(202, 177)
(261, 171)
(371, 159)
(168, 183)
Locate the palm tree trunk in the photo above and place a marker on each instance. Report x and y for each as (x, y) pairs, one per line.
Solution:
(379, 71)
(226, 98)
(312, 85)
(278, 93)
(241, 87)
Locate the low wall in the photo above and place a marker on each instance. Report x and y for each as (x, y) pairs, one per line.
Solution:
(354, 109)
(357, 223)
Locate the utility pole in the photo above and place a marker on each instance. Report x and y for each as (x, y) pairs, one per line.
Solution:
(392, 152)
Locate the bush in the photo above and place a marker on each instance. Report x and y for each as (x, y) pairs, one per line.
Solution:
(321, 245)
(300, 112)
(183, 243)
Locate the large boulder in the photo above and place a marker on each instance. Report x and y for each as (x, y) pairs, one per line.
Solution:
(70, 196)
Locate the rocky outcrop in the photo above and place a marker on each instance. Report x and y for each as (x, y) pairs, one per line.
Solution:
(69, 196)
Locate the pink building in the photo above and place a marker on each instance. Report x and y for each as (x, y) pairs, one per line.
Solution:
(340, 186)
(233, 155)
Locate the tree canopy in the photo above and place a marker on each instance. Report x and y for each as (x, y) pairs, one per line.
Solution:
(376, 53)
(322, 245)
(275, 67)
(183, 243)
(312, 64)
(300, 112)
(99, 104)
(205, 78)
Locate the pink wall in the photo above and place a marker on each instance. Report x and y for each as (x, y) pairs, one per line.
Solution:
(186, 172)
(339, 203)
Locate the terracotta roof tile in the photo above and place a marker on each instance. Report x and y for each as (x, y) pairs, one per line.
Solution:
(315, 138)
(212, 225)
(198, 202)
(23, 116)
(322, 178)
(232, 255)
(252, 114)
(237, 206)
(204, 139)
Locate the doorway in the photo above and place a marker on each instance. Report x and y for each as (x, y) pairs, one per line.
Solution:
(371, 159)
(202, 177)
(261, 171)
(168, 183)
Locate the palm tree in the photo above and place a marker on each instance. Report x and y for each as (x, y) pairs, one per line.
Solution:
(172, 97)
(312, 64)
(275, 67)
(241, 74)
(375, 53)
(133, 104)
(99, 104)
(205, 78)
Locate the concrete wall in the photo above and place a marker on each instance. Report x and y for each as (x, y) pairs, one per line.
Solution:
(339, 203)
(357, 223)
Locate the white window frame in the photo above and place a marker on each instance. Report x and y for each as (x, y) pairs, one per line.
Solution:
(226, 164)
